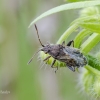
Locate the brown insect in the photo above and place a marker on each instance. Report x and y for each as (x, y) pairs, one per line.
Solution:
(71, 56)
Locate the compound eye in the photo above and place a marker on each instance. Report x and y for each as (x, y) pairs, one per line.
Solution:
(46, 52)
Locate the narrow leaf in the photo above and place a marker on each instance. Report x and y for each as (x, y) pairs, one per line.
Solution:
(94, 18)
(90, 43)
(66, 7)
(80, 37)
(94, 27)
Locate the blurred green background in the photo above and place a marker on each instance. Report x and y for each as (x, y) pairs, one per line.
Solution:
(37, 81)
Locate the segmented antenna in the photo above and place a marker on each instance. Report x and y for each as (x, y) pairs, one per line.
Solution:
(38, 35)
(33, 57)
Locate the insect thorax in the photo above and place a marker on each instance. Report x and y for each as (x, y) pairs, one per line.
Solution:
(69, 55)
(53, 50)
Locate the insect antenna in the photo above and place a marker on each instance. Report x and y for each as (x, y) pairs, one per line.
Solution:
(38, 35)
(33, 57)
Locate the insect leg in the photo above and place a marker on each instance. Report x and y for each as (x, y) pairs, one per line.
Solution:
(46, 58)
(63, 43)
(71, 68)
(53, 63)
(70, 42)
(56, 69)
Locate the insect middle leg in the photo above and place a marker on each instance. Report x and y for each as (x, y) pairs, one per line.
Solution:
(70, 42)
(53, 64)
(47, 58)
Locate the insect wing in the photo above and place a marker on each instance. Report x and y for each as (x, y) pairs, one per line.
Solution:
(65, 56)
(76, 55)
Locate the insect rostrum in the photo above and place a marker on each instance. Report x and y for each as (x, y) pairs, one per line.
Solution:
(71, 56)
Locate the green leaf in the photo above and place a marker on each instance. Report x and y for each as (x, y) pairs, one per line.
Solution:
(94, 27)
(91, 23)
(80, 37)
(86, 19)
(93, 61)
(90, 43)
(66, 7)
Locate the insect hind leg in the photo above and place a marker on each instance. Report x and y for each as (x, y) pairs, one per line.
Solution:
(53, 63)
(71, 68)
(70, 42)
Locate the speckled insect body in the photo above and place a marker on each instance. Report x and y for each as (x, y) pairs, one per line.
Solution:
(71, 56)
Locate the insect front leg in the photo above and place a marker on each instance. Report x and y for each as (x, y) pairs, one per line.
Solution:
(47, 58)
(70, 42)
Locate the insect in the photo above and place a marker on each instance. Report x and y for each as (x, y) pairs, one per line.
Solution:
(71, 56)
